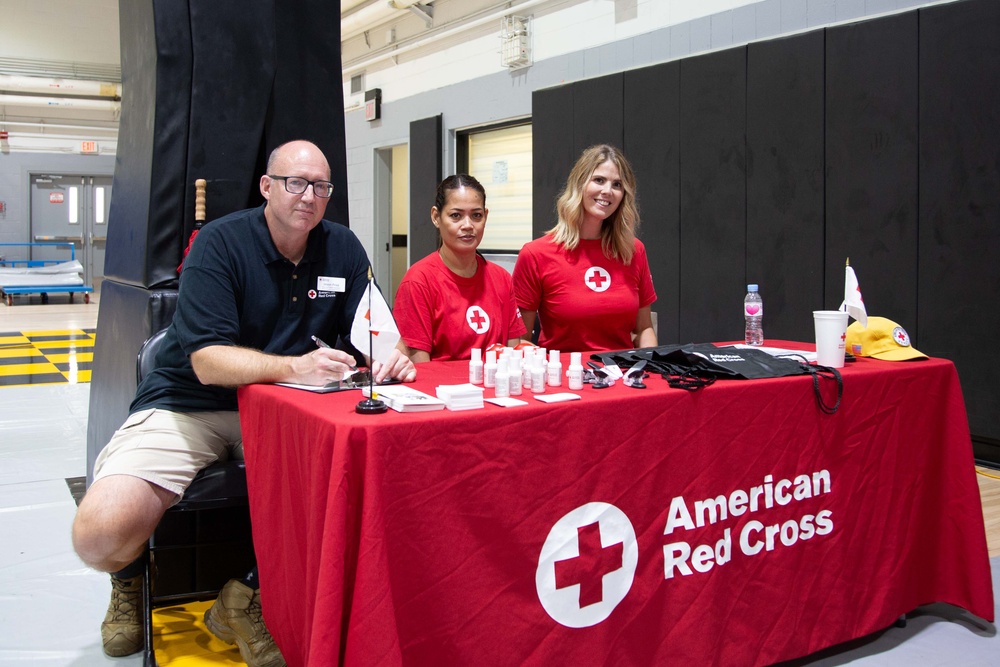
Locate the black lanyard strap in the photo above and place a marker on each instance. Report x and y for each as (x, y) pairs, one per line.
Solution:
(826, 373)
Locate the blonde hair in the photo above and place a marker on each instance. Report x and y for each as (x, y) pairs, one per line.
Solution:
(618, 230)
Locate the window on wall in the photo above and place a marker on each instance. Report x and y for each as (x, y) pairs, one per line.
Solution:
(500, 159)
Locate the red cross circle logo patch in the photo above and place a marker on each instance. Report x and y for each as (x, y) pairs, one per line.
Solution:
(597, 279)
(477, 319)
(587, 565)
(901, 337)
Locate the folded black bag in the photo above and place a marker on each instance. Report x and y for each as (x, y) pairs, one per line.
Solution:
(693, 366)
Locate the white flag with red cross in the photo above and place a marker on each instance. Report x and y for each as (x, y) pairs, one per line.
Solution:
(373, 316)
(853, 303)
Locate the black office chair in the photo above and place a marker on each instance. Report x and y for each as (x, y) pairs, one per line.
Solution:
(202, 541)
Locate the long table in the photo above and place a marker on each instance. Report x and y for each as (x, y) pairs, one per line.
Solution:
(735, 525)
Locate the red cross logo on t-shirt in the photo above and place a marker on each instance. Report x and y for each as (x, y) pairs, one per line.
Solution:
(597, 279)
(590, 567)
(477, 319)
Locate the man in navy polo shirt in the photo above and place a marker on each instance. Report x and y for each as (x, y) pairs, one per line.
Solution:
(256, 285)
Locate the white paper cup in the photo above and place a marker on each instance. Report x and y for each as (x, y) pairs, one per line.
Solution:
(831, 335)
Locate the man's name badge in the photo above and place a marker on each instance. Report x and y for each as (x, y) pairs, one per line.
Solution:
(329, 284)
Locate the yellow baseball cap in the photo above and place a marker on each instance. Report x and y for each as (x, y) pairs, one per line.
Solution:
(883, 339)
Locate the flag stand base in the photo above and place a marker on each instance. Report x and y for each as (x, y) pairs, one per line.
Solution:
(371, 406)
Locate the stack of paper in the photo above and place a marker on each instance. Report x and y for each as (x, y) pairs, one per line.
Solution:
(405, 399)
(461, 396)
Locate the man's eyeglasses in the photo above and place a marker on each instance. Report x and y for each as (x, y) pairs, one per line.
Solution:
(296, 186)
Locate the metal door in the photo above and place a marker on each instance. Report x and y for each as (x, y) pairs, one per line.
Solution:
(71, 209)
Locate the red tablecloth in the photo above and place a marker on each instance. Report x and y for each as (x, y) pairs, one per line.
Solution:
(617, 529)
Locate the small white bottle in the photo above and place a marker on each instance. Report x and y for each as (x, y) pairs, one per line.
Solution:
(543, 359)
(516, 375)
(502, 389)
(490, 369)
(537, 376)
(574, 374)
(554, 369)
(476, 366)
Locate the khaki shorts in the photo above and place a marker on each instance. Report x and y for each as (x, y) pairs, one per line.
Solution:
(169, 448)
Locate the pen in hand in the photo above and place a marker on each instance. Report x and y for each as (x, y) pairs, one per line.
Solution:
(319, 343)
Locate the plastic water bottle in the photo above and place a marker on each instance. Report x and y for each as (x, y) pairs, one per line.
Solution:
(753, 311)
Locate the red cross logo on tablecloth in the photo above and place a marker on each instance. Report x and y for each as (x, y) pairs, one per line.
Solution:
(589, 568)
(477, 319)
(597, 279)
(587, 565)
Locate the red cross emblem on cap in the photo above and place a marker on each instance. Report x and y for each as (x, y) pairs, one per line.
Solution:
(597, 279)
(312, 294)
(901, 337)
(477, 319)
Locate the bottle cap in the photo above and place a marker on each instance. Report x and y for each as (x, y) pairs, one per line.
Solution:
(477, 354)
(553, 356)
(575, 358)
(752, 287)
(491, 356)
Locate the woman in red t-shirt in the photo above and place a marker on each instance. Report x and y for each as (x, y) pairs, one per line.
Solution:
(587, 280)
(454, 300)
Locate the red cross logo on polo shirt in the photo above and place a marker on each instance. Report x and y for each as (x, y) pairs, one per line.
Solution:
(590, 567)
(597, 279)
(477, 319)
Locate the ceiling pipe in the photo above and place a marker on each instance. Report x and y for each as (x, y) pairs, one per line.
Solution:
(60, 102)
(372, 16)
(58, 126)
(437, 34)
(59, 87)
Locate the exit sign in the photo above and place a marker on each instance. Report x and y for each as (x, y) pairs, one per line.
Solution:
(88, 146)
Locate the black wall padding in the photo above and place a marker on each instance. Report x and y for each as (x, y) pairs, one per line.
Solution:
(233, 64)
(871, 164)
(128, 315)
(208, 92)
(652, 109)
(784, 224)
(425, 174)
(145, 217)
(554, 151)
(713, 196)
(308, 97)
(598, 114)
(959, 275)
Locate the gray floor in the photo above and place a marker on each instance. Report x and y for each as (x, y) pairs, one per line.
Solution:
(51, 605)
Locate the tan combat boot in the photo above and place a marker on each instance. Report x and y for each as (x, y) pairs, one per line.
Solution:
(122, 629)
(236, 618)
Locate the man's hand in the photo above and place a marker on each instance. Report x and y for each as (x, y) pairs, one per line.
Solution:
(399, 366)
(321, 366)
